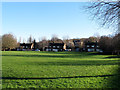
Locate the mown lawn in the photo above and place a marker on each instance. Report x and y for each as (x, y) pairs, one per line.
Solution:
(30, 69)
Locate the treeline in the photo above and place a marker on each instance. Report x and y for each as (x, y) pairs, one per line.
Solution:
(109, 44)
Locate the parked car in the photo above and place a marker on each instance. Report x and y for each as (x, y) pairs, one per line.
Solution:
(55, 50)
(37, 50)
(68, 50)
(23, 49)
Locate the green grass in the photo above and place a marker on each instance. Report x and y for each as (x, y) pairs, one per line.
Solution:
(29, 69)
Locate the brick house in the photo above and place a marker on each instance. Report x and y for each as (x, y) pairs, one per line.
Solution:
(92, 47)
(26, 46)
(56, 47)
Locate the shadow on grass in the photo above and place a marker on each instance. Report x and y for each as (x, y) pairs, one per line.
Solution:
(77, 62)
(56, 55)
(70, 62)
(52, 56)
(114, 81)
(36, 56)
(114, 57)
(61, 77)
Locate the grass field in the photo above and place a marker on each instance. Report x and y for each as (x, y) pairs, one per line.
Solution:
(30, 69)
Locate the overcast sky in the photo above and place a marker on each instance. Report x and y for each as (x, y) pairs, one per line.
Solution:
(40, 19)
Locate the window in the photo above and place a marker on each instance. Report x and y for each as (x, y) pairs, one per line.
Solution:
(48, 49)
(53, 46)
(58, 46)
(97, 46)
(90, 50)
(92, 46)
(87, 45)
(97, 50)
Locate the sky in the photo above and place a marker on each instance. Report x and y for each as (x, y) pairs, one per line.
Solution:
(45, 19)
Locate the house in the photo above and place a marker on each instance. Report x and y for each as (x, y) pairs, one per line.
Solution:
(92, 47)
(56, 47)
(78, 44)
(25, 47)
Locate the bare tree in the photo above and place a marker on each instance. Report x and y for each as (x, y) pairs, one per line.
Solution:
(54, 38)
(93, 39)
(43, 43)
(116, 42)
(30, 39)
(19, 40)
(70, 44)
(24, 40)
(66, 39)
(107, 12)
(44, 38)
(106, 44)
(8, 41)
